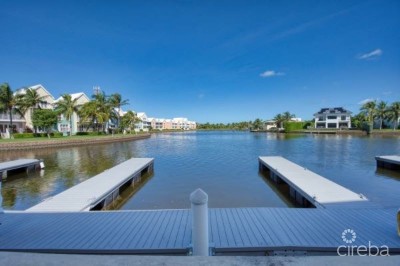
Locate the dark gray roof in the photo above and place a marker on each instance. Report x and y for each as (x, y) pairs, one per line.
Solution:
(334, 110)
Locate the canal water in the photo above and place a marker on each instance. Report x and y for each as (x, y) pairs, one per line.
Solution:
(223, 163)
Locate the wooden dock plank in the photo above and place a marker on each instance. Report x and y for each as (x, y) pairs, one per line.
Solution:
(165, 231)
(88, 193)
(138, 232)
(318, 190)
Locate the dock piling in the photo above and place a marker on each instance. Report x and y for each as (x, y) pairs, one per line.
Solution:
(200, 243)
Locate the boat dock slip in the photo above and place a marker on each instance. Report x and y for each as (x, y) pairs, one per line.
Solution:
(389, 162)
(98, 191)
(6, 167)
(307, 187)
(257, 231)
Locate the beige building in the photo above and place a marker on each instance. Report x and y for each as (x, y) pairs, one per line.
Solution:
(179, 123)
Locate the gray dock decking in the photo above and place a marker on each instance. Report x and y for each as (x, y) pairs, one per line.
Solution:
(318, 190)
(18, 164)
(388, 161)
(86, 195)
(254, 230)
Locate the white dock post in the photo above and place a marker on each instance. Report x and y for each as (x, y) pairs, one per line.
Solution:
(199, 200)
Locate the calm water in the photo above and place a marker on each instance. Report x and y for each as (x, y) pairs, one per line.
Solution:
(224, 164)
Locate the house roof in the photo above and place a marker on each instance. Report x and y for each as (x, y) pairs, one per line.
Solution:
(75, 96)
(334, 110)
(34, 87)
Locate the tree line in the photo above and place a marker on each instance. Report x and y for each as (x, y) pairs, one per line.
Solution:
(257, 124)
(377, 111)
(94, 114)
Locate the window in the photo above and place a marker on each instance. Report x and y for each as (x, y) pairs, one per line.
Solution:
(343, 117)
(332, 117)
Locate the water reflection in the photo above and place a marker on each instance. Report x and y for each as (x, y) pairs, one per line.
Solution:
(223, 163)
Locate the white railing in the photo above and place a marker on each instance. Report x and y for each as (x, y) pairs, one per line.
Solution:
(5, 116)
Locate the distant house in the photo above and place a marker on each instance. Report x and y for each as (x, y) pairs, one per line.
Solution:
(270, 124)
(46, 103)
(144, 123)
(63, 125)
(336, 117)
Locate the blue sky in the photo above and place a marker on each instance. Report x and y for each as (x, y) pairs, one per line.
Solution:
(216, 61)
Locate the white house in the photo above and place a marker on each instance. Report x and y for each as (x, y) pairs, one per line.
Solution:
(336, 117)
(63, 124)
(144, 124)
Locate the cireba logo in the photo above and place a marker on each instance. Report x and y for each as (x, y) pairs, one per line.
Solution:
(349, 236)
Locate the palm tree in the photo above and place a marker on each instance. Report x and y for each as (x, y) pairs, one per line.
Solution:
(369, 109)
(88, 114)
(31, 99)
(394, 114)
(67, 107)
(258, 123)
(287, 116)
(98, 111)
(9, 103)
(381, 112)
(116, 102)
(279, 119)
(129, 120)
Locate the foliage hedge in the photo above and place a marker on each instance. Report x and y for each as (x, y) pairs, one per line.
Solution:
(292, 126)
(84, 133)
(37, 135)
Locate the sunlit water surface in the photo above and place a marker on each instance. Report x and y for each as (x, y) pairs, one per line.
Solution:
(224, 164)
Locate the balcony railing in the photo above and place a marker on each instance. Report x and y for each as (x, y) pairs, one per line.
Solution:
(5, 116)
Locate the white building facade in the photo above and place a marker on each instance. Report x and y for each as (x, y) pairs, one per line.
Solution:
(335, 118)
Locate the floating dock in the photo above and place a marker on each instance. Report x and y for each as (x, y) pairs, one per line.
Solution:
(21, 164)
(245, 231)
(308, 188)
(99, 191)
(389, 161)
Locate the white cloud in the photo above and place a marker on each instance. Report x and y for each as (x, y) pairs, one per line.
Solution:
(366, 101)
(271, 73)
(371, 55)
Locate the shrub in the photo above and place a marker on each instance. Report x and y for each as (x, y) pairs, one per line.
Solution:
(86, 133)
(23, 135)
(292, 126)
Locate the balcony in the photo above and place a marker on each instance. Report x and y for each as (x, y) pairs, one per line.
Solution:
(15, 117)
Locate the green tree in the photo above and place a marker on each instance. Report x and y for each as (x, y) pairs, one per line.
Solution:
(257, 124)
(98, 111)
(381, 112)
(44, 118)
(358, 120)
(30, 99)
(128, 121)
(287, 116)
(369, 109)
(9, 103)
(394, 114)
(67, 107)
(116, 102)
(279, 119)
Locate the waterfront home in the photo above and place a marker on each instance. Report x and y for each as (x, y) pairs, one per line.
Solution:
(270, 124)
(183, 123)
(24, 121)
(144, 124)
(63, 125)
(335, 118)
(178, 123)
